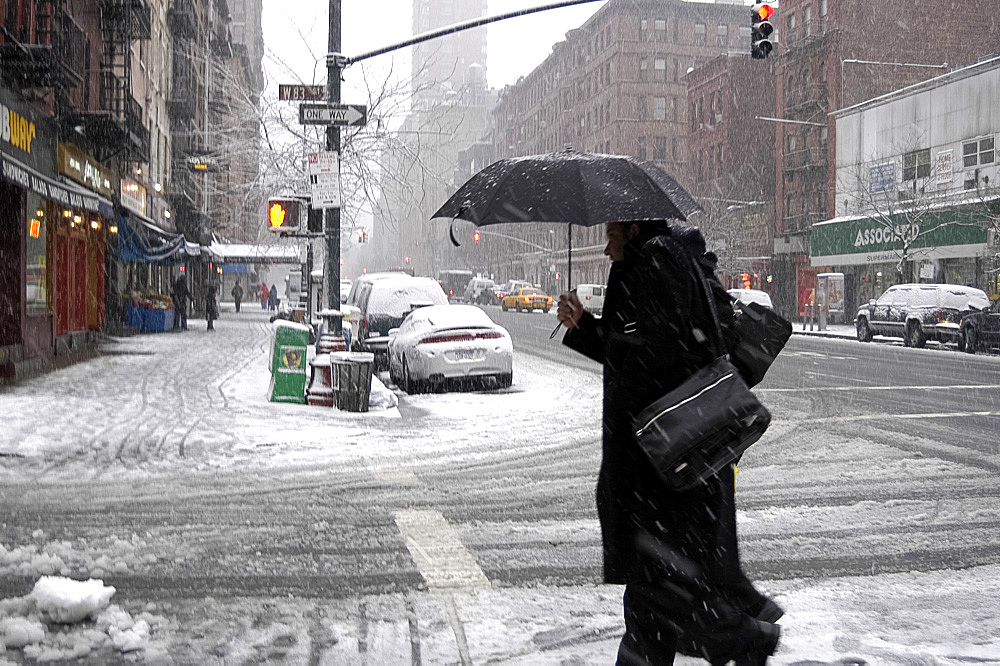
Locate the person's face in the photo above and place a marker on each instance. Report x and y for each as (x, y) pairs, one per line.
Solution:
(615, 249)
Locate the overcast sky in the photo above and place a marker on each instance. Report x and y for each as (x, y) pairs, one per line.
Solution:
(515, 46)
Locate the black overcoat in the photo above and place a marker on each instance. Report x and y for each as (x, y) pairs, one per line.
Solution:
(653, 334)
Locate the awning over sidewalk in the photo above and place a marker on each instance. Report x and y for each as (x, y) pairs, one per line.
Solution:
(142, 241)
(236, 253)
(939, 232)
(65, 192)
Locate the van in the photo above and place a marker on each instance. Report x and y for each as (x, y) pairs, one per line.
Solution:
(592, 297)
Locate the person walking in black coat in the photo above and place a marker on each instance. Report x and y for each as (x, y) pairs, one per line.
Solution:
(237, 295)
(211, 305)
(179, 295)
(675, 552)
(272, 298)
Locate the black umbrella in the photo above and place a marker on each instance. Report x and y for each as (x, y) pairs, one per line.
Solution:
(569, 187)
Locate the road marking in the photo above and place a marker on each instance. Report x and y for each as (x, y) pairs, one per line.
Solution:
(802, 389)
(438, 553)
(881, 417)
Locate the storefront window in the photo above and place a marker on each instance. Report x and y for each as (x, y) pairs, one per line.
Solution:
(36, 269)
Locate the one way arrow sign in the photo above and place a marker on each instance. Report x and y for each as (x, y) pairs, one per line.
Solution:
(333, 114)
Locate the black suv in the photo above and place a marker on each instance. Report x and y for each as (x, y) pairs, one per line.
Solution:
(919, 312)
(384, 303)
(981, 330)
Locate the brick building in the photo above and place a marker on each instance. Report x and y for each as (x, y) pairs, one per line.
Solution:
(615, 85)
(732, 162)
(836, 54)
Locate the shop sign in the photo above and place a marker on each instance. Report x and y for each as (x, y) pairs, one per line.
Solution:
(133, 196)
(30, 179)
(16, 130)
(943, 168)
(84, 169)
(942, 233)
(882, 178)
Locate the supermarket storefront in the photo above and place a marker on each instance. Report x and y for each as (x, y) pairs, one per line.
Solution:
(943, 245)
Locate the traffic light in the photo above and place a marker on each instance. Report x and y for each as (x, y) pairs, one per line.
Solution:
(284, 214)
(761, 29)
(745, 279)
(475, 236)
(769, 279)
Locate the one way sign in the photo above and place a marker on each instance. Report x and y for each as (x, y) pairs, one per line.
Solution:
(333, 114)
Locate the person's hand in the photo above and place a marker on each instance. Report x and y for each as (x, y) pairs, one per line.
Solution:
(569, 310)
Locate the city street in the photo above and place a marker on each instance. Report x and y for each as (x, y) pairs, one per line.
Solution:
(460, 528)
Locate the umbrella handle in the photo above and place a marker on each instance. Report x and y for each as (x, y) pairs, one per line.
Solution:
(554, 331)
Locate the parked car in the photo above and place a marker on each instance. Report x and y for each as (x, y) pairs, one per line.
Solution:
(443, 345)
(592, 297)
(482, 291)
(919, 312)
(751, 296)
(509, 287)
(981, 330)
(527, 299)
(385, 302)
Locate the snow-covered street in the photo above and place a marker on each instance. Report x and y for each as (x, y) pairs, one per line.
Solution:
(456, 528)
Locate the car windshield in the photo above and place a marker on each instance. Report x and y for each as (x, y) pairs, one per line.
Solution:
(531, 292)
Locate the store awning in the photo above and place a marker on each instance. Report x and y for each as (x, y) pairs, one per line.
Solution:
(236, 253)
(142, 241)
(934, 232)
(64, 193)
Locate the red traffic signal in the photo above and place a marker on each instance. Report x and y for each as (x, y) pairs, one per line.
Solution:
(475, 236)
(761, 29)
(284, 214)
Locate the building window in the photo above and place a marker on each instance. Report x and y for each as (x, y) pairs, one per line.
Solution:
(643, 27)
(35, 276)
(917, 164)
(643, 66)
(660, 148)
(659, 108)
(660, 69)
(643, 110)
(722, 35)
(699, 33)
(822, 8)
(745, 34)
(807, 23)
(660, 30)
(977, 153)
(641, 150)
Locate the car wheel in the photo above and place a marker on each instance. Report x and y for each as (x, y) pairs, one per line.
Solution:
(971, 340)
(864, 333)
(408, 384)
(503, 306)
(915, 336)
(517, 307)
(505, 379)
(545, 311)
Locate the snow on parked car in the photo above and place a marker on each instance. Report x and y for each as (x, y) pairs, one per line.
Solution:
(445, 345)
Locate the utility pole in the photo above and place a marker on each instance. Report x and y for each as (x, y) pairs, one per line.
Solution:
(331, 221)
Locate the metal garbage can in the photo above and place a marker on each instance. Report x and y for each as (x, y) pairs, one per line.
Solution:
(352, 379)
(288, 362)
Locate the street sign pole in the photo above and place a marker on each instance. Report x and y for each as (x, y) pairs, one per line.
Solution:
(331, 227)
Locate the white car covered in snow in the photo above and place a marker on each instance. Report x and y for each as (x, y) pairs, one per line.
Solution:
(444, 345)
(751, 296)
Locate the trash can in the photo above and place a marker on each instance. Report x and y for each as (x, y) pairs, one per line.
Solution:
(352, 380)
(288, 362)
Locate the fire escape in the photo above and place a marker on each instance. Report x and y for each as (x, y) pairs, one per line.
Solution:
(51, 58)
(116, 127)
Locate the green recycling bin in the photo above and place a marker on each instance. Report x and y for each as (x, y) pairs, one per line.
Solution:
(288, 362)
(352, 380)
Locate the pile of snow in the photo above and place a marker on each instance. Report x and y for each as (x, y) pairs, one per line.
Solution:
(83, 616)
(381, 397)
(91, 558)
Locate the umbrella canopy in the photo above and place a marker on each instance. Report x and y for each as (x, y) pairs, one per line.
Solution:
(569, 187)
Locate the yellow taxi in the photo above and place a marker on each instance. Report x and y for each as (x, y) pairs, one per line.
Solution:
(526, 299)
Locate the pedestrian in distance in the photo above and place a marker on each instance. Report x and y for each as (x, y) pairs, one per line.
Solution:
(675, 551)
(179, 294)
(211, 305)
(263, 296)
(237, 295)
(272, 298)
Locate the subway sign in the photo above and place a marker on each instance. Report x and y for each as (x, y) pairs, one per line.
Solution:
(15, 129)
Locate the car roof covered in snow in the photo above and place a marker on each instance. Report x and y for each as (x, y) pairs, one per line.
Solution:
(448, 316)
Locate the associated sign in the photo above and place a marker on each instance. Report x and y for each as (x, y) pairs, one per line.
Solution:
(297, 93)
(333, 114)
(324, 179)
